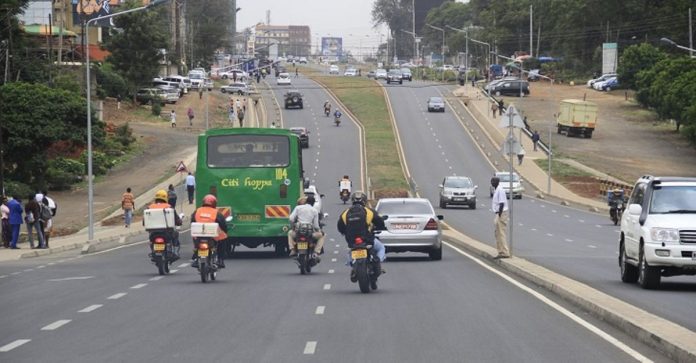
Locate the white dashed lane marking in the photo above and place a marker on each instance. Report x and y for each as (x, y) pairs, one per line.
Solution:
(138, 286)
(173, 271)
(16, 273)
(117, 296)
(320, 310)
(3, 276)
(549, 234)
(310, 347)
(90, 308)
(591, 246)
(156, 278)
(568, 240)
(327, 286)
(183, 265)
(333, 260)
(17, 343)
(331, 271)
(56, 325)
(335, 252)
(40, 267)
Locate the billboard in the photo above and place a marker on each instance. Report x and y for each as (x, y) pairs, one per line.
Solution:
(609, 57)
(331, 47)
(84, 10)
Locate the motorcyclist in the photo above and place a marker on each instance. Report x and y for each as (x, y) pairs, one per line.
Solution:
(344, 184)
(615, 197)
(161, 203)
(327, 107)
(305, 213)
(337, 114)
(208, 213)
(374, 222)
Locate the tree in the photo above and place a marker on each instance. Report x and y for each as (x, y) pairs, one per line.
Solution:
(136, 48)
(457, 15)
(634, 59)
(34, 118)
(207, 30)
(396, 14)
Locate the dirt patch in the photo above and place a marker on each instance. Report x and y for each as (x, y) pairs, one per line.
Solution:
(629, 140)
(390, 193)
(584, 186)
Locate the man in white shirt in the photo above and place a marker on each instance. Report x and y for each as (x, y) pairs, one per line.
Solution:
(499, 206)
(305, 213)
(190, 186)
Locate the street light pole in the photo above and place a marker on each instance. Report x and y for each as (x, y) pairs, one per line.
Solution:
(443, 48)
(466, 34)
(90, 183)
(672, 43)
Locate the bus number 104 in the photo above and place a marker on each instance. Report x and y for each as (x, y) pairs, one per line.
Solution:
(281, 173)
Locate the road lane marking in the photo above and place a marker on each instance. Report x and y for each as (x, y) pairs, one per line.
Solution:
(310, 347)
(591, 246)
(587, 325)
(117, 296)
(173, 271)
(598, 225)
(338, 245)
(335, 252)
(3, 276)
(331, 271)
(183, 265)
(138, 286)
(581, 220)
(320, 310)
(29, 270)
(73, 278)
(16, 273)
(90, 308)
(549, 234)
(327, 286)
(533, 229)
(554, 211)
(40, 267)
(56, 325)
(333, 260)
(568, 240)
(567, 216)
(156, 278)
(17, 343)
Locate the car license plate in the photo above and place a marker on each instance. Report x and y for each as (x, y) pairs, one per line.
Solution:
(404, 226)
(159, 247)
(358, 254)
(459, 199)
(302, 245)
(203, 253)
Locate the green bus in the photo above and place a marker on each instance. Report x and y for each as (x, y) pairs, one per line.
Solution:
(257, 176)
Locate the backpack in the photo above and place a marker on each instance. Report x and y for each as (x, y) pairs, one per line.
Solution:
(358, 224)
(45, 212)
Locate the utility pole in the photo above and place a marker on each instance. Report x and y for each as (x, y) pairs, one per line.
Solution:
(531, 31)
(415, 43)
(691, 36)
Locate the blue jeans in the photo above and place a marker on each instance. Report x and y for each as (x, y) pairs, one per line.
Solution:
(128, 214)
(39, 234)
(379, 249)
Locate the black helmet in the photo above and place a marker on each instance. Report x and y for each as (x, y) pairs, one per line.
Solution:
(358, 198)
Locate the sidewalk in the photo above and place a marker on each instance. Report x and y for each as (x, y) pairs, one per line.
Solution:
(479, 106)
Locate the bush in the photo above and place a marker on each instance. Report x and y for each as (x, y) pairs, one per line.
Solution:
(61, 173)
(124, 135)
(101, 163)
(17, 189)
(156, 108)
(67, 82)
(110, 83)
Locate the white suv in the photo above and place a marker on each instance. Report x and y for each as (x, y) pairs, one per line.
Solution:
(658, 231)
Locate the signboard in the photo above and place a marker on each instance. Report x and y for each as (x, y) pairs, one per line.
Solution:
(181, 168)
(331, 47)
(84, 10)
(609, 57)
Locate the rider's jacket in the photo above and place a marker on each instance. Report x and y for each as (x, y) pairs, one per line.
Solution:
(211, 215)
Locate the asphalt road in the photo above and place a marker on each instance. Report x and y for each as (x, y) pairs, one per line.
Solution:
(113, 307)
(576, 243)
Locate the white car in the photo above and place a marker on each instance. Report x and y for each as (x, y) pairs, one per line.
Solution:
(240, 88)
(658, 231)
(603, 78)
(241, 75)
(381, 74)
(517, 188)
(350, 72)
(333, 69)
(412, 225)
(283, 79)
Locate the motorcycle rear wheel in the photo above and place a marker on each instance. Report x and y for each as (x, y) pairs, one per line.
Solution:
(363, 278)
(302, 260)
(204, 271)
(159, 261)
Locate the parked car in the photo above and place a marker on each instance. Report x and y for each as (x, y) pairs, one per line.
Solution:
(333, 69)
(406, 74)
(303, 60)
(293, 98)
(381, 74)
(241, 75)
(171, 93)
(602, 78)
(608, 85)
(494, 82)
(517, 188)
(240, 88)
(458, 190)
(350, 72)
(208, 84)
(303, 134)
(148, 96)
(371, 74)
(512, 88)
(279, 69)
(412, 225)
(284, 79)
(177, 84)
(197, 78)
(436, 104)
(658, 231)
(394, 76)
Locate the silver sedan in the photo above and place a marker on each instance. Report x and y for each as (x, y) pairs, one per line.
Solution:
(436, 104)
(412, 225)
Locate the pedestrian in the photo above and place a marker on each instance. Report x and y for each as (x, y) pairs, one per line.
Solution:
(231, 115)
(494, 108)
(190, 186)
(258, 77)
(240, 116)
(190, 116)
(32, 212)
(172, 118)
(499, 206)
(200, 93)
(501, 107)
(520, 155)
(46, 221)
(244, 102)
(237, 104)
(296, 72)
(128, 204)
(473, 83)
(6, 229)
(273, 125)
(15, 219)
(171, 196)
(535, 139)
(526, 124)
(51, 203)
(234, 76)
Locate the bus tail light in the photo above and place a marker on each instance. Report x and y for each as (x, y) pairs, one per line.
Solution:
(283, 191)
(213, 190)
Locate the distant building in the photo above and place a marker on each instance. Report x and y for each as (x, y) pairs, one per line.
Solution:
(290, 39)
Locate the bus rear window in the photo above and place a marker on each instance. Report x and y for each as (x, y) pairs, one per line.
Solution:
(243, 151)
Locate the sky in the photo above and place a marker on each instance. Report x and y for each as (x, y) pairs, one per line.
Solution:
(349, 19)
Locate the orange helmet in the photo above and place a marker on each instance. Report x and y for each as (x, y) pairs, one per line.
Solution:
(210, 201)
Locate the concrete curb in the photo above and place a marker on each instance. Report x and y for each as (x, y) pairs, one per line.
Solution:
(110, 242)
(675, 341)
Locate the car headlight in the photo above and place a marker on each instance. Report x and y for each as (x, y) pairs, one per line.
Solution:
(448, 193)
(664, 234)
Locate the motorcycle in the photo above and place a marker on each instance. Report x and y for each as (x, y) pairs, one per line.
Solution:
(365, 264)
(345, 195)
(305, 248)
(327, 111)
(163, 251)
(207, 258)
(616, 211)
(337, 120)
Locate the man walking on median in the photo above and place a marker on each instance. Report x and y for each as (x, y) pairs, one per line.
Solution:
(500, 208)
(535, 139)
(190, 186)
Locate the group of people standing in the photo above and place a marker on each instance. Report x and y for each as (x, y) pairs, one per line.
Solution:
(37, 213)
(237, 110)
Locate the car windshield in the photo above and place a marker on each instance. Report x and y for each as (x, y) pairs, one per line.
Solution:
(241, 151)
(673, 199)
(506, 177)
(405, 70)
(408, 207)
(395, 72)
(435, 99)
(458, 183)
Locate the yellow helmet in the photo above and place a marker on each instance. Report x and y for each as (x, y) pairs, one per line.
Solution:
(161, 194)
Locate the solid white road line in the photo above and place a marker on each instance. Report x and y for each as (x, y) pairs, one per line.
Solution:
(591, 246)
(327, 286)
(51, 263)
(585, 324)
(3, 276)
(40, 267)
(73, 278)
(156, 278)
(138, 286)
(320, 310)
(117, 296)
(310, 347)
(90, 308)
(16, 273)
(56, 325)
(17, 343)
(332, 271)
(335, 252)
(173, 271)
(568, 240)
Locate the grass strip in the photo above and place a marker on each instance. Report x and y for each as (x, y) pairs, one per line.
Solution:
(560, 169)
(365, 99)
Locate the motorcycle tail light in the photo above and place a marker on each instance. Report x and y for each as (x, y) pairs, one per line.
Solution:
(159, 240)
(303, 238)
(431, 225)
(358, 240)
(203, 246)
